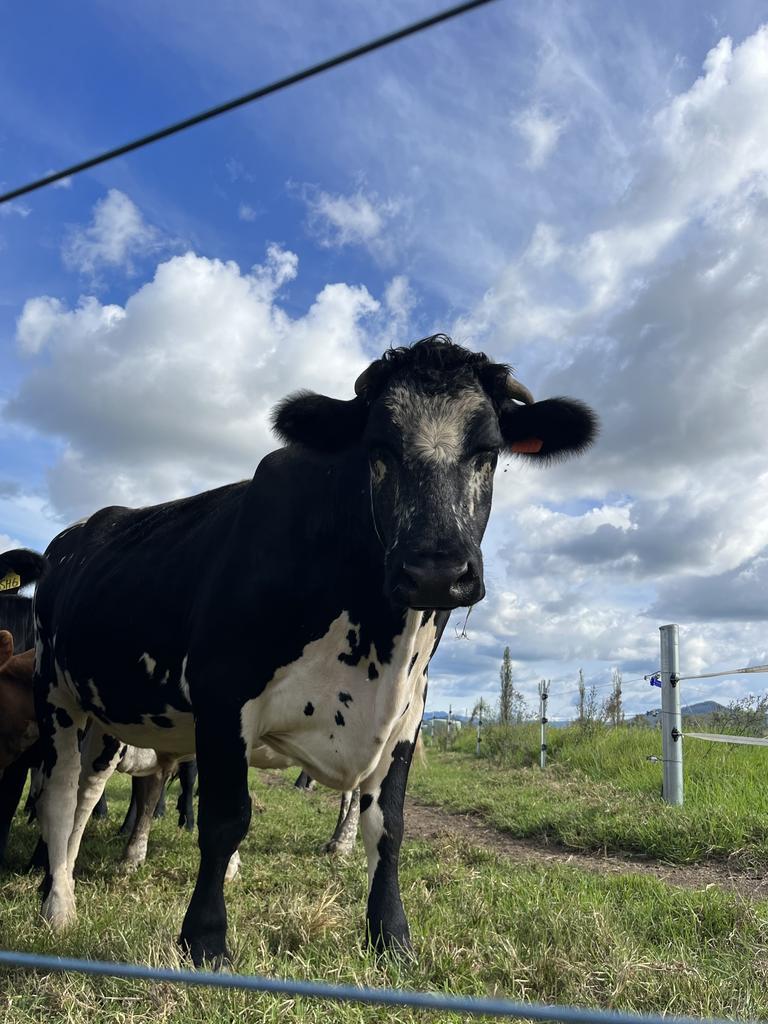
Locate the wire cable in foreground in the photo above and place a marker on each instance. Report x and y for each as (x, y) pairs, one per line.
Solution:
(343, 993)
(250, 97)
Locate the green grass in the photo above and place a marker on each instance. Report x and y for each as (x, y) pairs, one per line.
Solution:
(482, 925)
(601, 793)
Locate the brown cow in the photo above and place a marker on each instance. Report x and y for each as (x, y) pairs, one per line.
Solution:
(18, 723)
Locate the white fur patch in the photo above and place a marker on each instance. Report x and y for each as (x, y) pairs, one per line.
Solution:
(300, 714)
(433, 426)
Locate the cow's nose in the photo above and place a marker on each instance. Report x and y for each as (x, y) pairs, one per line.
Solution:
(433, 583)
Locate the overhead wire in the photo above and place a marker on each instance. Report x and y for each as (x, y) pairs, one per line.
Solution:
(249, 97)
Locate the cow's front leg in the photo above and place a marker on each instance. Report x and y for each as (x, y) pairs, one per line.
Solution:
(224, 813)
(382, 796)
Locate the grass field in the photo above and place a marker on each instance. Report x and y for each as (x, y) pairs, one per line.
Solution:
(600, 792)
(481, 924)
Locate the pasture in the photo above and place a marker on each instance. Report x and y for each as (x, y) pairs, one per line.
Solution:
(600, 792)
(483, 923)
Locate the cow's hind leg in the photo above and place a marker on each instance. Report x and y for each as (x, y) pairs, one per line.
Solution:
(382, 796)
(129, 822)
(59, 727)
(148, 790)
(342, 842)
(100, 755)
(11, 786)
(224, 813)
(185, 805)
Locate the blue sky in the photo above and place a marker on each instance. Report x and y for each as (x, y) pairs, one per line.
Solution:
(580, 189)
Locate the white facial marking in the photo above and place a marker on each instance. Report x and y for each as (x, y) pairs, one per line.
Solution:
(478, 482)
(149, 663)
(183, 684)
(433, 426)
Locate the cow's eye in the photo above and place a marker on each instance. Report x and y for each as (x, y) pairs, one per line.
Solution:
(382, 453)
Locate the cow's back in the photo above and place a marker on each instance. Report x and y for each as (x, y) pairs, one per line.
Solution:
(118, 599)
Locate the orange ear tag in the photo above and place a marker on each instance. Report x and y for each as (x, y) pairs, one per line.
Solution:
(529, 447)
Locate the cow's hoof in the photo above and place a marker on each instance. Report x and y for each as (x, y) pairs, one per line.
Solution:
(129, 865)
(206, 951)
(233, 868)
(59, 911)
(335, 848)
(394, 942)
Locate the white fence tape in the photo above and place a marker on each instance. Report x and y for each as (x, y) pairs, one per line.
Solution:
(752, 741)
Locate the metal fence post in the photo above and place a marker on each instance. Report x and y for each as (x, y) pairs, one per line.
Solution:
(671, 724)
(448, 727)
(543, 696)
(479, 729)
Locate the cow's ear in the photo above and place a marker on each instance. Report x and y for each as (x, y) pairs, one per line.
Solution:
(6, 646)
(323, 424)
(552, 429)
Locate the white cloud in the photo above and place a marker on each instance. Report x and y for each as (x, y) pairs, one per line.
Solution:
(15, 209)
(247, 213)
(62, 182)
(659, 319)
(540, 131)
(356, 219)
(171, 393)
(116, 236)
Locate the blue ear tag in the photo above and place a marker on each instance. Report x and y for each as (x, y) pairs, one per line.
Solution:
(655, 681)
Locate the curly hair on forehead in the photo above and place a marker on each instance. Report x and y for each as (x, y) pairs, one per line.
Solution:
(426, 363)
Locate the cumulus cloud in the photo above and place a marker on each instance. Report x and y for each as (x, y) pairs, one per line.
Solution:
(356, 219)
(247, 213)
(659, 319)
(117, 236)
(171, 393)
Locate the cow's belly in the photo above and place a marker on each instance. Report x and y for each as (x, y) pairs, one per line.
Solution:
(179, 739)
(332, 718)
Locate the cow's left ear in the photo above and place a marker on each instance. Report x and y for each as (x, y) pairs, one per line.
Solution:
(552, 429)
(323, 424)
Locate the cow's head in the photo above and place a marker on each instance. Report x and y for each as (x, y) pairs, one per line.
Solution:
(432, 421)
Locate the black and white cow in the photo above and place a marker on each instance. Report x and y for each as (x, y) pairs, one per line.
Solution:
(327, 579)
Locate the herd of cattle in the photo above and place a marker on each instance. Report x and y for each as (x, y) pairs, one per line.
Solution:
(288, 619)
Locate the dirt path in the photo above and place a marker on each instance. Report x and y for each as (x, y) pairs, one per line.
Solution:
(424, 821)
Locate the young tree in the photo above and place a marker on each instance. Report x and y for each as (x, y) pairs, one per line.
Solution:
(507, 692)
(613, 709)
(582, 696)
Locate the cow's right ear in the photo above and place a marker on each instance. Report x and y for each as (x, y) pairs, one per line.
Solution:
(6, 646)
(323, 424)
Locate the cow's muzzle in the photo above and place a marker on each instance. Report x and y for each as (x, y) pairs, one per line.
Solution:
(434, 582)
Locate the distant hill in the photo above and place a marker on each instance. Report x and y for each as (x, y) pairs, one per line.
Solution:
(704, 707)
(699, 710)
(429, 715)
